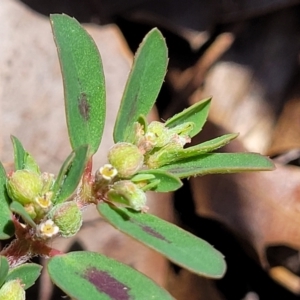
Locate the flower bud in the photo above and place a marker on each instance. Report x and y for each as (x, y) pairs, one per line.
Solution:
(126, 158)
(164, 155)
(161, 133)
(23, 186)
(12, 290)
(67, 216)
(127, 194)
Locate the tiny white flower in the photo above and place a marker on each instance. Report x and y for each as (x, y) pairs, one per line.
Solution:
(47, 229)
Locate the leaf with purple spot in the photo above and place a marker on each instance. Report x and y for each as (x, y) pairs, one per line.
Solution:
(87, 276)
(83, 79)
(176, 244)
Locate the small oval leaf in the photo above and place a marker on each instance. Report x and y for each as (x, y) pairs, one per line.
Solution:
(83, 78)
(87, 275)
(19, 209)
(4, 267)
(178, 245)
(197, 113)
(214, 163)
(167, 181)
(27, 273)
(143, 84)
(6, 225)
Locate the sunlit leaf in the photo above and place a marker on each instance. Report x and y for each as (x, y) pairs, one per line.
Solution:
(83, 79)
(87, 275)
(143, 85)
(178, 245)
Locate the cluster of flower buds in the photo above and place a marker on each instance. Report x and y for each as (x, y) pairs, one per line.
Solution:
(126, 193)
(149, 149)
(164, 140)
(33, 191)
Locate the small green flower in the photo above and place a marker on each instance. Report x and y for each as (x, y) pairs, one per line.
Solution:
(24, 185)
(126, 158)
(12, 290)
(68, 217)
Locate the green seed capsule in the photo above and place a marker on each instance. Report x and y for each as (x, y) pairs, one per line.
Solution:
(23, 186)
(128, 194)
(12, 290)
(67, 217)
(126, 158)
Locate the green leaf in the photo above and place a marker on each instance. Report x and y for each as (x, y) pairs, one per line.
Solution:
(19, 153)
(70, 174)
(143, 121)
(178, 245)
(210, 145)
(19, 209)
(137, 178)
(170, 154)
(167, 181)
(31, 164)
(4, 267)
(27, 273)
(196, 113)
(83, 78)
(6, 225)
(22, 159)
(62, 174)
(143, 85)
(87, 275)
(214, 163)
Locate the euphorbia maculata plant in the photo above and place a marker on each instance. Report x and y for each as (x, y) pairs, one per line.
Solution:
(37, 206)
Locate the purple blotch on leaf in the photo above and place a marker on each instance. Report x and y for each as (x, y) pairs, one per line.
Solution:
(107, 284)
(150, 231)
(154, 233)
(84, 107)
